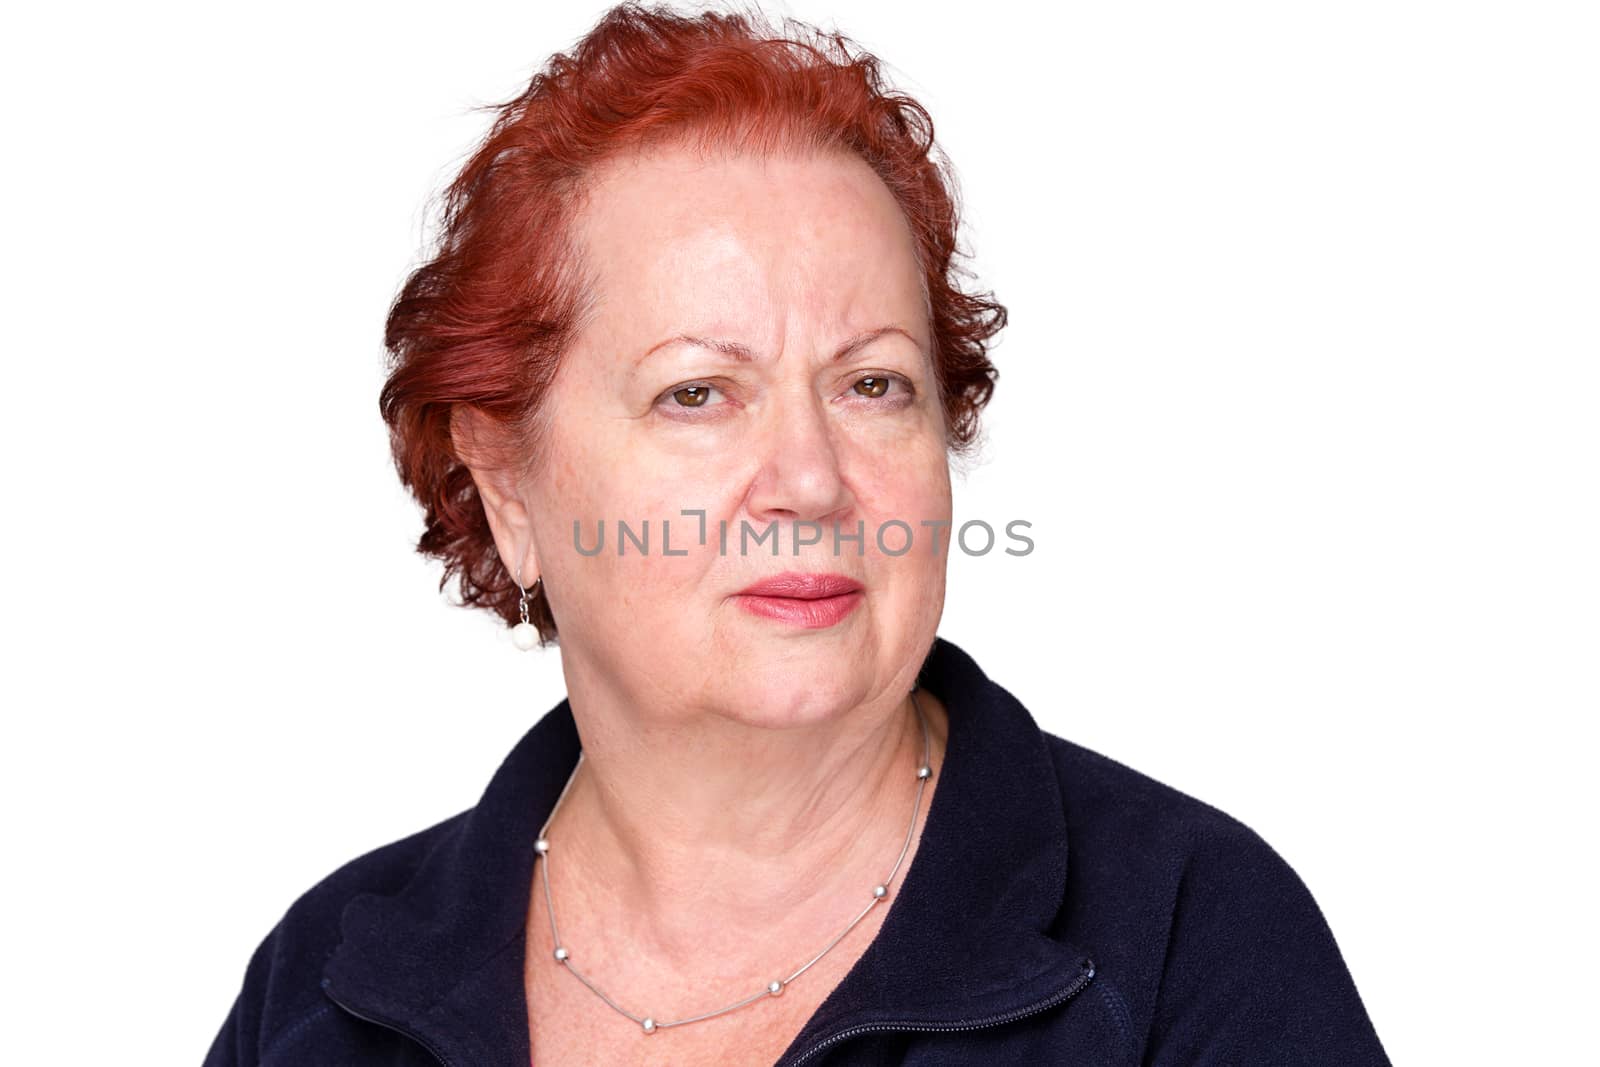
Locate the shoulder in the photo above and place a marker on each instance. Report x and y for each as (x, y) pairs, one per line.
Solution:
(281, 990)
(1151, 845)
(314, 916)
(1213, 942)
(1105, 798)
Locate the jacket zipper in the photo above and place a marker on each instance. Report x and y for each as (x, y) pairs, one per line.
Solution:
(974, 1024)
(387, 1025)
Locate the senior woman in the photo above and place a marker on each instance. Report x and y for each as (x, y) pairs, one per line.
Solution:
(699, 282)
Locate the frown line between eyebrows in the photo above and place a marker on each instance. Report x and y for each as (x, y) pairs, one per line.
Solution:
(741, 353)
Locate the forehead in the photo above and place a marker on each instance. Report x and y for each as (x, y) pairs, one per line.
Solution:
(753, 242)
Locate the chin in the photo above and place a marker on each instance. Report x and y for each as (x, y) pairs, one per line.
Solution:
(775, 699)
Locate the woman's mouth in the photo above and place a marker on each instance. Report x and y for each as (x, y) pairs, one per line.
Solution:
(811, 601)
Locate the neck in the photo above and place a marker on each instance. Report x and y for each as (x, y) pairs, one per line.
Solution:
(696, 838)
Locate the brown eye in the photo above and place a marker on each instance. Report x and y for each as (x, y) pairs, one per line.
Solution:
(873, 387)
(691, 396)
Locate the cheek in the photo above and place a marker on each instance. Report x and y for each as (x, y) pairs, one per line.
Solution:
(911, 485)
(605, 482)
(910, 482)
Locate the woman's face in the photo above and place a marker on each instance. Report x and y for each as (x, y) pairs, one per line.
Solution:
(778, 265)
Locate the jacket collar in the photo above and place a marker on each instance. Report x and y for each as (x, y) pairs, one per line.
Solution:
(966, 940)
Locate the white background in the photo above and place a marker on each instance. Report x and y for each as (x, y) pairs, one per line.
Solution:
(1299, 392)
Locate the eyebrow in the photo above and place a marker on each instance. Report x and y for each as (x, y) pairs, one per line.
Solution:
(742, 353)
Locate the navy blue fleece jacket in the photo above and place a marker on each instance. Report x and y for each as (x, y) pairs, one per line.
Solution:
(1060, 909)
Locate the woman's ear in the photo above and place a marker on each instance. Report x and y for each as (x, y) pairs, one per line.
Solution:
(477, 444)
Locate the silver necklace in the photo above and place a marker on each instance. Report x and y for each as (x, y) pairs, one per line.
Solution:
(772, 988)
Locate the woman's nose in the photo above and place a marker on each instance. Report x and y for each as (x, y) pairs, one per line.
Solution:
(799, 478)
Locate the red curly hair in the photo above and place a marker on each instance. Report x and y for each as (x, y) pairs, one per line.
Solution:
(482, 325)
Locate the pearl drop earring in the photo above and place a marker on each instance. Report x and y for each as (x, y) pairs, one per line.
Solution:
(525, 635)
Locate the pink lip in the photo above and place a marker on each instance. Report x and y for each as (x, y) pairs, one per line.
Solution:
(801, 586)
(813, 601)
